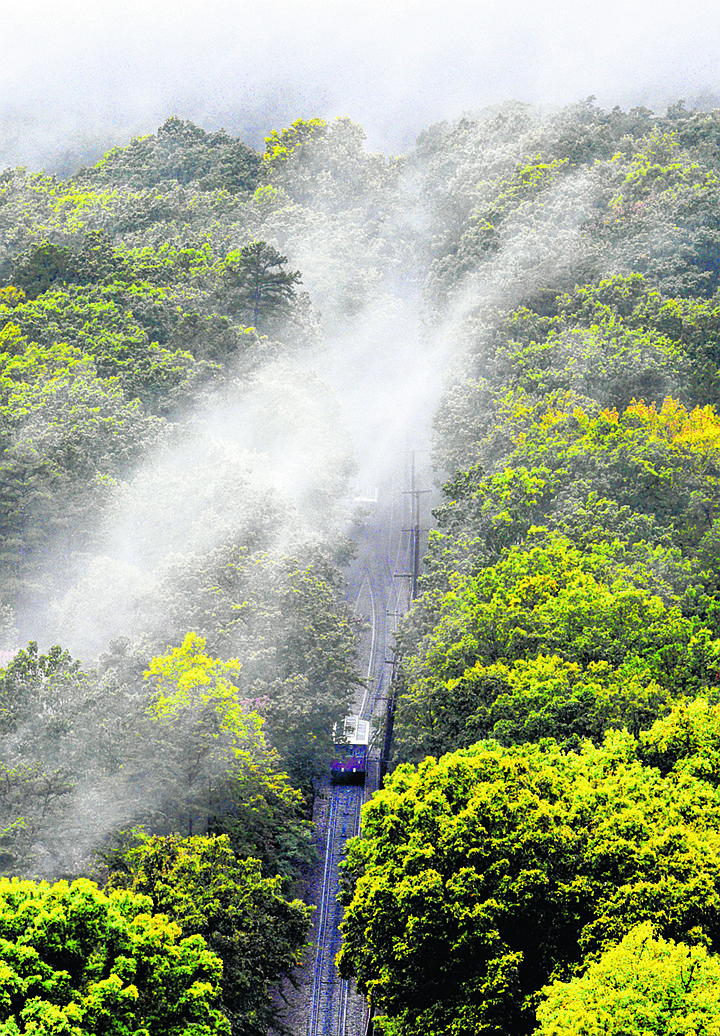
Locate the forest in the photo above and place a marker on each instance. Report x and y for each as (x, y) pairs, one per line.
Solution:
(191, 331)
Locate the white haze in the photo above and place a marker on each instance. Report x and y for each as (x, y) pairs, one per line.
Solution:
(286, 452)
(78, 76)
(282, 448)
(280, 458)
(268, 460)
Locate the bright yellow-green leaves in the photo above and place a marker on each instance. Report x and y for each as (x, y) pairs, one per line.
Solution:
(552, 641)
(26, 378)
(661, 167)
(645, 984)
(76, 962)
(672, 425)
(281, 144)
(484, 874)
(187, 680)
(202, 884)
(11, 296)
(12, 340)
(528, 181)
(697, 430)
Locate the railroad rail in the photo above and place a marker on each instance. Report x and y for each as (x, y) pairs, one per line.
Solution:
(335, 1010)
(328, 1009)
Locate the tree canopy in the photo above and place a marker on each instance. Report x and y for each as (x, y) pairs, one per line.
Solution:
(484, 874)
(243, 917)
(75, 960)
(644, 984)
(259, 286)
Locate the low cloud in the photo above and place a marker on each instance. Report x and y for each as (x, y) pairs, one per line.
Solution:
(78, 77)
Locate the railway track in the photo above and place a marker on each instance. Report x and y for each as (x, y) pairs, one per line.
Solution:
(330, 994)
(335, 1009)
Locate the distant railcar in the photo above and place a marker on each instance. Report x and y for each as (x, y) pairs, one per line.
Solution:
(366, 495)
(349, 764)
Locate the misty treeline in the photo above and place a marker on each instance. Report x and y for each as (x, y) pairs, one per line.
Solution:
(175, 499)
(545, 856)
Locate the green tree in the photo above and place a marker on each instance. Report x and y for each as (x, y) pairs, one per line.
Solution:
(286, 620)
(77, 962)
(32, 682)
(197, 726)
(644, 984)
(687, 739)
(49, 743)
(182, 152)
(201, 884)
(48, 264)
(68, 436)
(552, 641)
(84, 754)
(259, 286)
(483, 875)
(281, 144)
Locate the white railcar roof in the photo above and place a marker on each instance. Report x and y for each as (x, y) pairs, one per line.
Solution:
(356, 731)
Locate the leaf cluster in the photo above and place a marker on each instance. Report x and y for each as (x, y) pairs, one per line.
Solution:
(75, 960)
(486, 873)
(243, 917)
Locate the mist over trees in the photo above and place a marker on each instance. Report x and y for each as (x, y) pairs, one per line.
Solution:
(568, 614)
(175, 505)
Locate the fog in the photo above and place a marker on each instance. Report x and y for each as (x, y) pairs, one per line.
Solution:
(78, 77)
(279, 452)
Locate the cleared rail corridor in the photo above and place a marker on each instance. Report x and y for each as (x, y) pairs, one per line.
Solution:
(379, 592)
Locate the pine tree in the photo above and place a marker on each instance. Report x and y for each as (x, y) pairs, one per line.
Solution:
(260, 286)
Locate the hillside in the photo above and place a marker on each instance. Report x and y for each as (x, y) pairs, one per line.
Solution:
(204, 351)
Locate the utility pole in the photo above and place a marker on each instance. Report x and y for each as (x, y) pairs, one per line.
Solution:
(415, 530)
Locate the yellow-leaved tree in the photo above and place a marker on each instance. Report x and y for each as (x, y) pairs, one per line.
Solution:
(203, 734)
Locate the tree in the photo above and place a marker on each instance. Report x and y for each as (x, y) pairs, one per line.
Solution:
(83, 755)
(33, 683)
(259, 287)
(483, 875)
(551, 641)
(281, 144)
(686, 740)
(202, 885)
(44, 700)
(197, 727)
(77, 962)
(644, 984)
(46, 264)
(69, 436)
(183, 152)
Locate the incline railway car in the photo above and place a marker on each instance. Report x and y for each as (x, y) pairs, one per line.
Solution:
(349, 764)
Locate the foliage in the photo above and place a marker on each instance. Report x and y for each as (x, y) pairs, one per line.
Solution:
(166, 469)
(552, 641)
(482, 875)
(216, 769)
(183, 152)
(188, 679)
(32, 682)
(68, 436)
(84, 754)
(280, 145)
(287, 624)
(687, 739)
(643, 984)
(653, 468)
(47, 264)
(258, 286)
(209, 892)
(74, 960)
